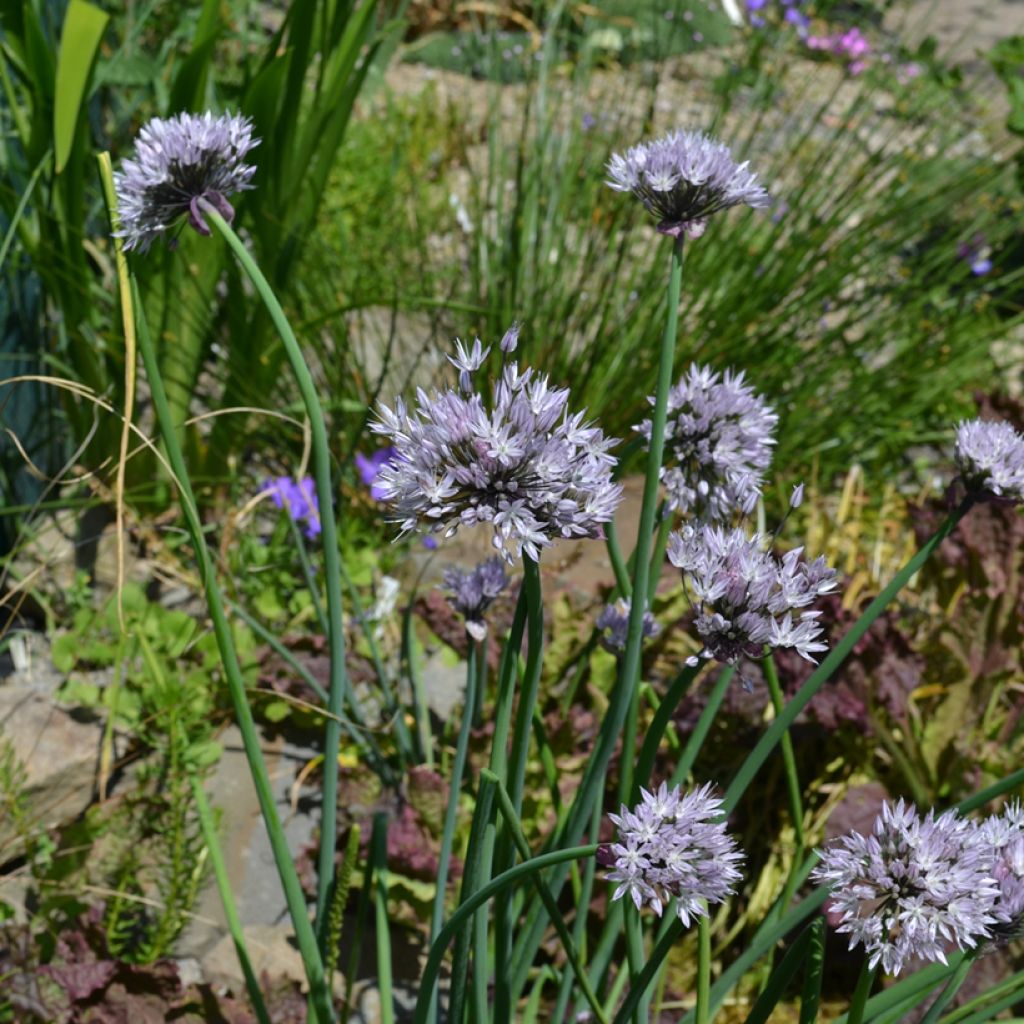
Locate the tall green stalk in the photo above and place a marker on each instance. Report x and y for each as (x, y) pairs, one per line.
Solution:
(294, 896)
(592, 784)
(861, 993)
(332, 562)
(452, 810)
(703, 970)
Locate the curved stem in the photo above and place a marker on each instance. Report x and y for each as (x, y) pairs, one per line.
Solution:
(473, 903)
(332, 561)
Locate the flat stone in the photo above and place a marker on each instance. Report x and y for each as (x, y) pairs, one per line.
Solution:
(58, 752)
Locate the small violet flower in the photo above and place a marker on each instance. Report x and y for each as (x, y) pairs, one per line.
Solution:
(298, 499)
(990, 457)
(180, 163)
(682, 179)
(520, 462)
(914, 888)
(746, 597)
(718, 444)
(671, 846)
(614, 625)
(369, 467)
(471, 593)
(977, 253)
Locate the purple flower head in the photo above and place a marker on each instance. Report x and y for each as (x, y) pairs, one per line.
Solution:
(180, 162)
(614, 624)
(520, 462)
(471, 593)
(510, 339)
(746, 596)
(914, 888)
(756, 5)
(670, 846)
(1004, 834)
(990, 457)
(298, 499)
(718, 444)
(683, 178)
(369, 467)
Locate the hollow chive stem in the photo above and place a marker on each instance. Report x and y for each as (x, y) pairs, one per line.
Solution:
(703, 970)
(951, 988)
(451, 811)
(338, 688)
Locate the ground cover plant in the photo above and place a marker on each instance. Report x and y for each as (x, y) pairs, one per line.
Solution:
(761, 763)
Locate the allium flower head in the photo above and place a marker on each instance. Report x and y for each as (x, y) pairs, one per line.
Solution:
(298, 499)
(913, 888)
(520, 462)
(747, 597)
(1004, 837)
(178, 162)
(683, 178)
(718, 444)
(471, 593)
(990, 456)
(614, 624)
(670, 845)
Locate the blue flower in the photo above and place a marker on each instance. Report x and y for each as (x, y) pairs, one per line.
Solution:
(369, 468)
(298, 499)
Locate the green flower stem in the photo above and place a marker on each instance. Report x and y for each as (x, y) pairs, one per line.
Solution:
(958, 977)
(860, 994)
(452, 810)
(640, 984)
(531, 680)
(627, 760)
(615, 556)
(579, 927)
(662, 717)
(982, 797)
(635, 958)
(511, 817)
(796, 807)
(220, 874)
(703, 727)
(294, 896)
(774, 733)
(382, 921)
(339, 684)
(660, 546)
(703, 970)
(477, 900)
(592, 784)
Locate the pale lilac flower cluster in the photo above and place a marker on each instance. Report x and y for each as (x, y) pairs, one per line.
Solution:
(990, 456)
(472, 593)
(1004, 837)
(178, 162)
(718, 444)
(672, 847)
(613, 622)
(298, 499)
(520, 463)
(683, 178)
(912, 889)
(746, 597)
